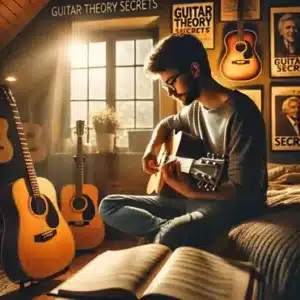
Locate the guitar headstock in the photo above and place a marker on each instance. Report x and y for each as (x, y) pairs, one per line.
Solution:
(80, 128)
(209, 170)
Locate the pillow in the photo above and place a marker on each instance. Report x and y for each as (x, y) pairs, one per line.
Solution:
(284, 173)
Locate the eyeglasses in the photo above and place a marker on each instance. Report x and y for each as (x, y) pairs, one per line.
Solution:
(169, 83)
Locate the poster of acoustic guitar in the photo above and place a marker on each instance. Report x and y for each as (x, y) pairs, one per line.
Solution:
(229, 10)
(197, 19)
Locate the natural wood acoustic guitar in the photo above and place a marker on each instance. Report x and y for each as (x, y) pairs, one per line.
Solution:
(240, 61)
(6, 148)
(79, 203)
(35, 139)
(205, 169)
(37, 242)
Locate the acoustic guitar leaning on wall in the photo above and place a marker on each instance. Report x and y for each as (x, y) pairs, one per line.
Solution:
(36, 242)
(34, 136)
(79, 203)
(6, 148)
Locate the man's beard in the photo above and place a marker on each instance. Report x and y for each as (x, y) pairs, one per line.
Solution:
(195, 86)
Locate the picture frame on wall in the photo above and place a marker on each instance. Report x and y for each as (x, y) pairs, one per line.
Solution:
(255, 93)
(230, 10)
(285, 117)
(285, 41)
(197, 19)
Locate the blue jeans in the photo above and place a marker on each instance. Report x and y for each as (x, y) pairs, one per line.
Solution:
(173, 222)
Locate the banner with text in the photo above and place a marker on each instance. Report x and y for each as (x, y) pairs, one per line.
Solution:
(102, 8)
(196, 19)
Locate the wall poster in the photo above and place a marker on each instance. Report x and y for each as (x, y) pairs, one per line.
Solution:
(197, 19)
(254, 93)
(285, 117)
(285, 41)
(229, 10)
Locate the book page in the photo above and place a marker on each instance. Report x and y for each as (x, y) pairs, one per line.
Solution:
(192, 273)
(113, 272)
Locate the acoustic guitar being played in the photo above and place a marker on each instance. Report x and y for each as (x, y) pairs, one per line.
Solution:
(6, 148)
(205, 169)
(36, 242)
(79, 203)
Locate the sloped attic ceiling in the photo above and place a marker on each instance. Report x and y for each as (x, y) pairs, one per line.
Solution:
(14, 15)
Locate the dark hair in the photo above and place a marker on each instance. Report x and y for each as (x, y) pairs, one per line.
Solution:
(177, 51)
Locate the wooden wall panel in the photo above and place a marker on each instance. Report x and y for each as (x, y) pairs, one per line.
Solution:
(14, 15)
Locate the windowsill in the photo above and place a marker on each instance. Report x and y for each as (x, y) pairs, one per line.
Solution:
(119, 153)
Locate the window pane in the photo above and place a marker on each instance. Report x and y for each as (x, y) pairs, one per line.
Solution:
(97, 83)
(143, 47)
(78, 55)
(94, 107)
(124, 53)
(79, 84)
(125, 83)
(144, 85)
(125, 111)
(92, 137)
(144, 114)
(97, 54)
(122, 138)
(78, 112)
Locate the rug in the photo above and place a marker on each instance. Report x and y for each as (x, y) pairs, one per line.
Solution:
(6, 286)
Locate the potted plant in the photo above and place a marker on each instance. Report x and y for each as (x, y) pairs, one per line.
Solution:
(105, 123)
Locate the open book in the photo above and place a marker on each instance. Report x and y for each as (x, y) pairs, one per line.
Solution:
(153, 271)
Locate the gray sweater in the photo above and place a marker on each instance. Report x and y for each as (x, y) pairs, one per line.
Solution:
(236, 129)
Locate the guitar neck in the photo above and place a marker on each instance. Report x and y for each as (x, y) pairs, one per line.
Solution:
(240, 22)
(25, 150)
(187, 166)
(79, 174)
(240, 30)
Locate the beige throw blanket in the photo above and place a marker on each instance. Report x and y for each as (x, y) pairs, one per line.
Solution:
(284, 184)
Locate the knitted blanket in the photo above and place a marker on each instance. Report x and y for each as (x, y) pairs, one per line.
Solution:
(272, 241)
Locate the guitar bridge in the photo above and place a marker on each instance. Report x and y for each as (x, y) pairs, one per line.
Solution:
(241, 62)
(45, 236)
(80, 223)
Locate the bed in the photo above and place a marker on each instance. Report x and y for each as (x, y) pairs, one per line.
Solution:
(272, 241)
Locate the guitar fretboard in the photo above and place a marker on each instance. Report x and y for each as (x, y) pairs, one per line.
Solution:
(79, 174)
(240, 21)
(24, 146)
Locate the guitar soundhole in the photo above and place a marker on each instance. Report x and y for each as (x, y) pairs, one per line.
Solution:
(38, 206)
(240, 47)
(79, 203)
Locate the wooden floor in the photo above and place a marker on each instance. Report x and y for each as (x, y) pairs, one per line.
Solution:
(39, 290)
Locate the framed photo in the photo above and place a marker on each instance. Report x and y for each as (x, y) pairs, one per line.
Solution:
(285, 41)
(254, 93)
(197, 19)
(285, 117)
(230, 10)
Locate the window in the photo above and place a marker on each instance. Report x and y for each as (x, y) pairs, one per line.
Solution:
(110, 72)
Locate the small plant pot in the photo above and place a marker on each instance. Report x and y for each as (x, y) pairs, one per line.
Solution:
(105, 142)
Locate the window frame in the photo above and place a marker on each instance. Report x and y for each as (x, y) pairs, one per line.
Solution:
(111, 37)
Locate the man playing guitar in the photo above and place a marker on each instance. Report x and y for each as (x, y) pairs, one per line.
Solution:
(228, 122)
